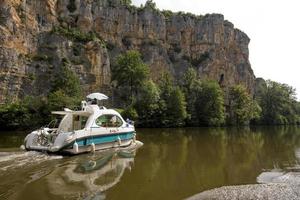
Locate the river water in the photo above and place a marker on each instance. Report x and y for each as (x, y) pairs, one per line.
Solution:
(172, 164)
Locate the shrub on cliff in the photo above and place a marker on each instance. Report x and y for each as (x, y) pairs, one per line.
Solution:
(67, 81)
(150, 4)
(126, 2)
(77, 35)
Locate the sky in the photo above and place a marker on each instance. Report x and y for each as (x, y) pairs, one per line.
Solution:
(272, 25)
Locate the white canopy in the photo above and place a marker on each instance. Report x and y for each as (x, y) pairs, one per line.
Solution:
(98, 96)
(82, 113)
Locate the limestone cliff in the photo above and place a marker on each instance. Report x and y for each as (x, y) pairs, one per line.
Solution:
(38, 36)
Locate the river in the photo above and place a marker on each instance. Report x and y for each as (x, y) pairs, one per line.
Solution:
(172, 164)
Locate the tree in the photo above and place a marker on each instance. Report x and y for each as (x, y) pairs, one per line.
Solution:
(130, 71)
(191, 87)
(147, 105)
(67, 81)
(176, 108)
(31, 112)
(126, 2)
(210, 104)
(278, 103)
(66, 89)
(172, 103)
(59, 100)
(242, 108)
(150, 4)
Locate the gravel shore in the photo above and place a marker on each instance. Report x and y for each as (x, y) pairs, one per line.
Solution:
(283, 187)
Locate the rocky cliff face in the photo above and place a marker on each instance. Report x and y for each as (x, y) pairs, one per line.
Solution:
(38, 36)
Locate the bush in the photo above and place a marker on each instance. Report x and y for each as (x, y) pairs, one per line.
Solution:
(130, 113)
(40, 57)
(67, 81)
(31, 113)
(59, 100)
(77, 35)
(167, 13)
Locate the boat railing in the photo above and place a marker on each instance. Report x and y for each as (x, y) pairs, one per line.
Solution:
(52, 124)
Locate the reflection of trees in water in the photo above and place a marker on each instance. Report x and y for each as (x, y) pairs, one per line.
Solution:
(11, 139)
(186, 161)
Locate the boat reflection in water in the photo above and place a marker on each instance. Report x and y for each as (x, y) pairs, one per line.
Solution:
(88, 176)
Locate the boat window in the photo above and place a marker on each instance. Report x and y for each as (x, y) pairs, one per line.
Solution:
(79, 122)
(109, 121)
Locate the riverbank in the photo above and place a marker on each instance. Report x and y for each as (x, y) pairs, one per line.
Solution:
(286, 186)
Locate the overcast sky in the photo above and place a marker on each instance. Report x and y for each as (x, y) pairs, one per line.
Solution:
(272, 25)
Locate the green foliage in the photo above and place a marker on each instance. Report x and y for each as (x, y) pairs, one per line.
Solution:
(278, 103)
(176, 108)
(205, 101)
(150, 4)
(172, 103)
(40, 57)
(191, 87)
(210, 104)
(167, 13)
(197, 61)
(130, 71)
(130, 113)
(76, 35)
(242, 108)
(13, 115)
(31, 76)
(67, 81)
(33, 112)
(29, 113)
(147, 104)
(126, 2)
(58, 100)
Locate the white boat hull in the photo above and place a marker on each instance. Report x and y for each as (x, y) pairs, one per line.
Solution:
(70, 144)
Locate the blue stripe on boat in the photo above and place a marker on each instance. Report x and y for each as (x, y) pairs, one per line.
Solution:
(104, 139)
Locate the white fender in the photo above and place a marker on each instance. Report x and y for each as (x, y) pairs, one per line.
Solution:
(119, 141)
(134, 137)
(93, 147)
(75, 147)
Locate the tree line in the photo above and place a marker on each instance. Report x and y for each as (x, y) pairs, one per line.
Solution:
(192, 101)
(189, 101)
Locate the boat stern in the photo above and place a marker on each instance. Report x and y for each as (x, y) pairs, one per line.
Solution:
(44, 140)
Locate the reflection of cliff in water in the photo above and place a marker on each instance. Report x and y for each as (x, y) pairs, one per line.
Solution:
(88, 176)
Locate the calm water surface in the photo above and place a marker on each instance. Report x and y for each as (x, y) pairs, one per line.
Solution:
(172, 164)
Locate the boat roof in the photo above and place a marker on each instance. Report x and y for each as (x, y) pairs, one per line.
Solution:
(88, 110)
(82, 113)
